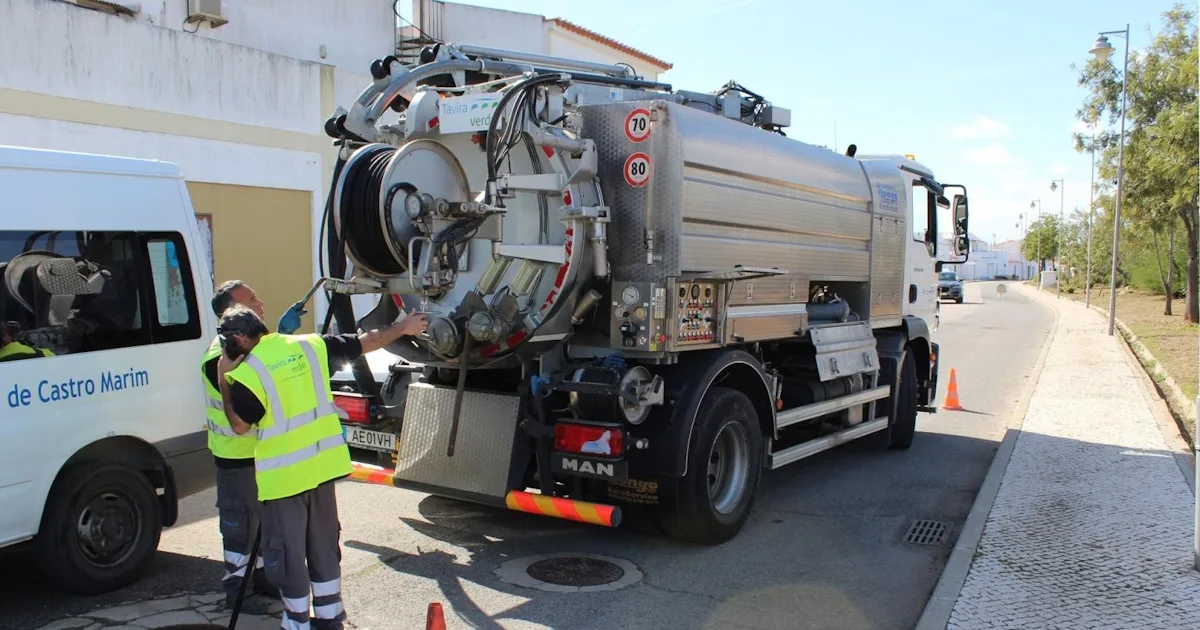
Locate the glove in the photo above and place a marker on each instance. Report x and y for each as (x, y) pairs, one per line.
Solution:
(290, 322)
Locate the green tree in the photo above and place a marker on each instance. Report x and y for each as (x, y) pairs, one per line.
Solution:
(1162, 150)
(1043, 231)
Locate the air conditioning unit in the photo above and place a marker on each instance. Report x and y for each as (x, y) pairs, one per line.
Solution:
(211, 11)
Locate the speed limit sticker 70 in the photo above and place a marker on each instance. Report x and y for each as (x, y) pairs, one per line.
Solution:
(637, 169)
(637, 125)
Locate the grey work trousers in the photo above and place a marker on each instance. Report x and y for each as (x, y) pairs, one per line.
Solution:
(239, 512)
(301, 549)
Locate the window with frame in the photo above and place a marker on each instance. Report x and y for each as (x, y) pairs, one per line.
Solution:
(67, 292)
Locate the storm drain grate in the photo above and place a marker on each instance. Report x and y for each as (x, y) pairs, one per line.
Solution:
(925, 532)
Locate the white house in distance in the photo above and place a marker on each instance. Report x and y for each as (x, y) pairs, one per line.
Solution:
(453, 22)
(988, 261)
(235, 93)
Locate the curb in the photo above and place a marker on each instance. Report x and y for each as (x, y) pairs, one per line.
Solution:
(941, 604)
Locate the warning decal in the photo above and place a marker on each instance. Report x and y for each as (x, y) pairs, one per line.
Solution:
(637, 125)
(637, 169)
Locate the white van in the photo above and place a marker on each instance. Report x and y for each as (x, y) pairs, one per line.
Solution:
(105, 294)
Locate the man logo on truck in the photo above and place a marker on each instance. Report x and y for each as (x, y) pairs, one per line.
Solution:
(598, 469)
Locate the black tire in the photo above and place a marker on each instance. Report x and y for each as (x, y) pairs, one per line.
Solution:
(903, 424)
(728, 468)
(120, 511)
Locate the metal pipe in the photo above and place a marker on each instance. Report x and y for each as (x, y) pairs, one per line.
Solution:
(1087, 292)
(577, 64)
(1112, 288)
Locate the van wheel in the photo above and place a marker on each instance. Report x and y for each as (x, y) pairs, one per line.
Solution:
(100, 528)
(711, 503)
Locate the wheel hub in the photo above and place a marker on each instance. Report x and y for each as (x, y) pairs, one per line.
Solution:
(728, 467)
(107, 528)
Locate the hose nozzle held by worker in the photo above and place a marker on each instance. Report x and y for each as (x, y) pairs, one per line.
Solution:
(290, 321)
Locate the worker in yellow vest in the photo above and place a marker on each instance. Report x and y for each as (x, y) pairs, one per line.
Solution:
(280, 385)
(238, 509)
(13, 350)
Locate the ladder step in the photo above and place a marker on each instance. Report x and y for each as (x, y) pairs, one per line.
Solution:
(821, 444)
(816, 410)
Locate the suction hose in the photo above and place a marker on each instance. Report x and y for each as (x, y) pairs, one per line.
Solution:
(340, 307)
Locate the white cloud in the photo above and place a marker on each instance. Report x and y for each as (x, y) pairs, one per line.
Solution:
(982, 128)
(991, 155)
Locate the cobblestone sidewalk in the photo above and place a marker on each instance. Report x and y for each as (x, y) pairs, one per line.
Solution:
(1092, 526)
(164, 613)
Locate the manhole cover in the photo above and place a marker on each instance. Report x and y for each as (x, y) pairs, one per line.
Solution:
(576, 571)
(570, 572)
(925, 532)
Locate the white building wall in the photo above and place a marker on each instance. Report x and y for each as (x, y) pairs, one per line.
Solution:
(468, 24)
(511, 30)
(245, 98)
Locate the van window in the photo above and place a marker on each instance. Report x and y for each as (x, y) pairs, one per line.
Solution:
(68, 292)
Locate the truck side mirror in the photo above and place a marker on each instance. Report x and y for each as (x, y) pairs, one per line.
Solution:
(962, 243)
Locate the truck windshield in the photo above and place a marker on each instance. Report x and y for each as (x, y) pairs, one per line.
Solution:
(948, 276)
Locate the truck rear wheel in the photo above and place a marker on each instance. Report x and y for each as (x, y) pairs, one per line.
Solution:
(100, 528)
(711, 503)
(901, 406)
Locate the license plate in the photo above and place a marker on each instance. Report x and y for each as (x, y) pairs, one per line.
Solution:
(372, 440)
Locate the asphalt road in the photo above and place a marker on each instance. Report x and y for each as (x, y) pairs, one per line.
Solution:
(822, 549)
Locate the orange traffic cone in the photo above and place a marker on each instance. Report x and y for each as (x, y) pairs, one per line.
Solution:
(951, 402)
(435, 620)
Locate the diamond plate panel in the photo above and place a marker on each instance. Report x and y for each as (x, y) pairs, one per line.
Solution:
(657, 205)
(482, 448)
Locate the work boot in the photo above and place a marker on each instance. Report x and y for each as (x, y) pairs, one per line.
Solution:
(251, 604)
(262, 586)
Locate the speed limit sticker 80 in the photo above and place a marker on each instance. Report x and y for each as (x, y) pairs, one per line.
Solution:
(637, 125)
(637, 169)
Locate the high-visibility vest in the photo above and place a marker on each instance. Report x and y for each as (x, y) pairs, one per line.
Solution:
(300, 441)
(14, 350)
(222, 441)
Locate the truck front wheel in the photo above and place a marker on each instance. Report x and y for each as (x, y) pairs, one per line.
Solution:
(901, 406)
(711, 503)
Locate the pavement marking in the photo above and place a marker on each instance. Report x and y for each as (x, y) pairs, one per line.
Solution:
(954, 575)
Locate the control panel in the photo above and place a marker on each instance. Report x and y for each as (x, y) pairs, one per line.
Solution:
(639, 316)
(696, 313)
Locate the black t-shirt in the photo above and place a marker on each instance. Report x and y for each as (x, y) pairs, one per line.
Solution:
(341, 349)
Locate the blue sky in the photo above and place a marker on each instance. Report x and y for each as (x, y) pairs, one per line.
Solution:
(981, 92)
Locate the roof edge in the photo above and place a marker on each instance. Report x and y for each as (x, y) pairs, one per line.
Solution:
(587, 33)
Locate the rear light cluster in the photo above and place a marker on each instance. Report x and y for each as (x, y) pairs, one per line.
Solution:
(588, 440)
(353, 408)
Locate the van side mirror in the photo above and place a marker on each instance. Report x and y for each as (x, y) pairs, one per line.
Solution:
(962, 243)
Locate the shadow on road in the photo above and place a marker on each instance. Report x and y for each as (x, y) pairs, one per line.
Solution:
(29, 600)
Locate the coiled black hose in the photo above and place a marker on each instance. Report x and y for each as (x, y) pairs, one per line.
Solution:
(362, 227)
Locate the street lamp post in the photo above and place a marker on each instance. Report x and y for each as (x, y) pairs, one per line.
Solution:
(1087, 292)
(1038, 203)
(1102, 50)
(1061, 186)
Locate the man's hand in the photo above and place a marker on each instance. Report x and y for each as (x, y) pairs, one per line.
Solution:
(226, 365)
(290, 322)
(413, 325)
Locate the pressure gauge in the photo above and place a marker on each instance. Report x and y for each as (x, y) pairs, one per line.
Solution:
(412, 206)
(695, 291)
(630, 295)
